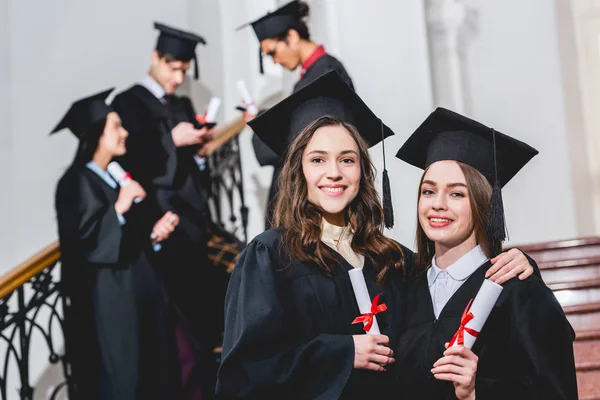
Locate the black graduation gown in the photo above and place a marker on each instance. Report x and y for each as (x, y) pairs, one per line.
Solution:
(168, 174)
(264, 154)
(525, 348)
(118, 334)
(288, 328)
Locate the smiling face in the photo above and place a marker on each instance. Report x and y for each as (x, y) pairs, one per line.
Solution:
(331, 167)
(444, 207)
(112, 141)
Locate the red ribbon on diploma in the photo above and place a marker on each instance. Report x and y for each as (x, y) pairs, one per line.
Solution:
(376, 308)
(201, 118)
(459, 336)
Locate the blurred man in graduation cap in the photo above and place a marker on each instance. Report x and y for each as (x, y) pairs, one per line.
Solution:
(162, 143)
(525, 348)
(284, 36)
(119, 333)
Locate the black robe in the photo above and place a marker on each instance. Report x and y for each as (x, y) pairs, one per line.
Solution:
(525, 348)
(118, 333)
(264, 154)
(288, 328)
(169, 175)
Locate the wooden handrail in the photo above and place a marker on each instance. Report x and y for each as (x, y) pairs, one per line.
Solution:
(29, 268)
(224, 134)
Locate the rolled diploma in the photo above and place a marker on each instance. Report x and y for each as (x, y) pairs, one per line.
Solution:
(246, 97)
(481, 308)
(362, 296)
(212, 109)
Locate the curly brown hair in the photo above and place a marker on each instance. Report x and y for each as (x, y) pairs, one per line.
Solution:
(300, 221)
(480, 195)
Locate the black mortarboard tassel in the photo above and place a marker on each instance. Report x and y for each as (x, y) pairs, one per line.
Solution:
(388, 210)
(260, 61)
(496, 229)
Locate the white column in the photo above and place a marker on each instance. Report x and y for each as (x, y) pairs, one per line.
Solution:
(578, 33)
(448, 32)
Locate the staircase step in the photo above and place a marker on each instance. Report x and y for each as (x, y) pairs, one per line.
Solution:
(576, 292)
(587, 352)
(584, 316)
(570, 270)
(563, 249)
(587, 384)
(588, 334)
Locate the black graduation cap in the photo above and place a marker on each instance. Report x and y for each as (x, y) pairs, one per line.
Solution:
(275, 23)
(179, 44)
(447, 135)
(327, 95)
(84, 113)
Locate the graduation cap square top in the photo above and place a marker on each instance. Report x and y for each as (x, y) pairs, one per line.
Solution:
(327, 95)
(277, 22)
(85, 112)
(447, 135)
(179, 44)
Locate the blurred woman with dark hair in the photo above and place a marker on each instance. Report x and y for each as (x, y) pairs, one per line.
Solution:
(118, 336)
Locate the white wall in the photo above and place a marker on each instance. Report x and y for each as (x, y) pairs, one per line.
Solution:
(515, 81)
(6, 153)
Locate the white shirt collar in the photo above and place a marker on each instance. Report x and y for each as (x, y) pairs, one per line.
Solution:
(106, 177)
(154, 87)
(462, 268)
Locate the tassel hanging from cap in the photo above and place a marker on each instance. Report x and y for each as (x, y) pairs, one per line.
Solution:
(196, 67)
(496, 229)
(388, 210)
(260, 61)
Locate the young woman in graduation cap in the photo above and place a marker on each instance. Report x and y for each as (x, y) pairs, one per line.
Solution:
(290, 305)
(525, 348)
(117, 331)
(284, 36)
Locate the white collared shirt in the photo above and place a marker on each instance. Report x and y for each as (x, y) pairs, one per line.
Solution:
(154, 87)
(106, 177)
(443, 283)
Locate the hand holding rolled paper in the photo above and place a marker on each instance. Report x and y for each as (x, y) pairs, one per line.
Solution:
(246, 97)
(475, 314)
(367, 308)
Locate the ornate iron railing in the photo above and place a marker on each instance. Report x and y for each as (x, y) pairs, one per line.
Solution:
(31, 302)
(227, 180)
